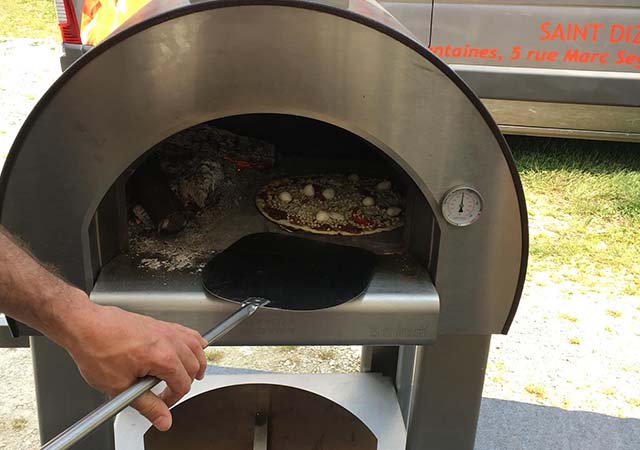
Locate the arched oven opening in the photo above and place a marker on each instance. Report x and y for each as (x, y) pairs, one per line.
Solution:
(200, 190)
(194, 194)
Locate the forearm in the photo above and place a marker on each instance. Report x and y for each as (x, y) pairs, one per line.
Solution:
(33, 295)
(112, 347)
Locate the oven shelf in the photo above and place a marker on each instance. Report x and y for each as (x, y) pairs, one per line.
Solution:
(400, 307)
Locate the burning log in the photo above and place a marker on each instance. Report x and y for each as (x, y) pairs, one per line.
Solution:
(191, 172)
(149, 186)
(205, 163)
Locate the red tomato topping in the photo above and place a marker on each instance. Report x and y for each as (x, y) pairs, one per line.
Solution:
(359, 218)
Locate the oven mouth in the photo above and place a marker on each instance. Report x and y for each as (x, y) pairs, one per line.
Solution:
(215, 172)
(195, 193)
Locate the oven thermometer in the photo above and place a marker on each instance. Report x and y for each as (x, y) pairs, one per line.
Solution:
(462, 206)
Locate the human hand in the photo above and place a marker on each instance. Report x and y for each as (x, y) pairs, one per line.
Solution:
(113, 348)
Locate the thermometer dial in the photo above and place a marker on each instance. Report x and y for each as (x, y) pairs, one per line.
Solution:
(462, 206)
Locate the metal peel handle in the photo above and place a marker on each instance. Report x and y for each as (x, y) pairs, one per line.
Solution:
(97, 417)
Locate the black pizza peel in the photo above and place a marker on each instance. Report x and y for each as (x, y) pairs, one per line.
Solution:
(291, 272)
(264, 269)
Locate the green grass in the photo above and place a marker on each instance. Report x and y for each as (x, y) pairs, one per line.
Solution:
(584, 210)
(568, 317)
(326, 354)
(19, 423)
(214, 355)
(536, 390)
(28, 18)
(614, 313)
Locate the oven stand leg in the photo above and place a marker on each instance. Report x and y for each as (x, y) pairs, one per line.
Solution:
(261, 431)
(63, 396)
(380, 359)
(405, 379)
(448, 391)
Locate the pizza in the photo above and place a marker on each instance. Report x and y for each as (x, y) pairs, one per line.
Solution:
(332, 204)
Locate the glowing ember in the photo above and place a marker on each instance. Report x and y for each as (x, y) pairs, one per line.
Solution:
(101, 17)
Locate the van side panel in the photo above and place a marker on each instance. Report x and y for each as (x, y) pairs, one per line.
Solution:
(562, 68)
(551, 36)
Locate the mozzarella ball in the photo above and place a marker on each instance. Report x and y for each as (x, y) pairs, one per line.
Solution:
(329, 193)
(309, 191)
(285, 197)
(393, 211)
(322, 216)
(336, 216)
(384, 185)
(368, 201)
(353, 177)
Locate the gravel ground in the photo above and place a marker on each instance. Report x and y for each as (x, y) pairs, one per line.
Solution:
(572, 351)
(566, 349)
(27, 69)
(18, 421)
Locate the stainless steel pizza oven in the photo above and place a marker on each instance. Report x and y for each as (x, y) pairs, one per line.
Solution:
(280, 88)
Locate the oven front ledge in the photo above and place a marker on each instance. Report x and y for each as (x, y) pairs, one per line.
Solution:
(400, 307)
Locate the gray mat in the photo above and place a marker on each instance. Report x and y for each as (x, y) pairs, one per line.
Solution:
(510, 425)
